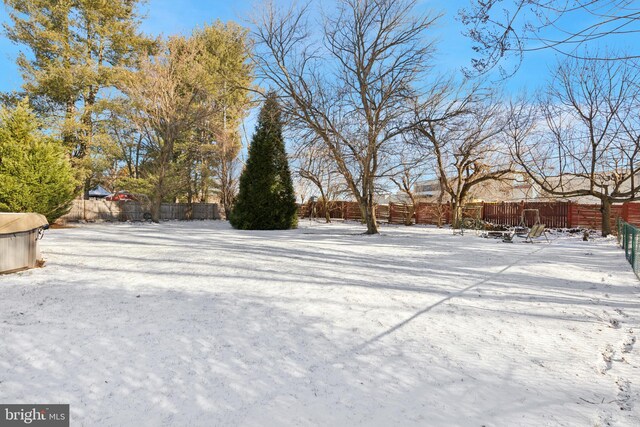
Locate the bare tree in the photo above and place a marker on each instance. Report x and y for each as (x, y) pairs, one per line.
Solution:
(226, 168)
(170, 99)
(469, 149)
(406, 179)
(126, 135)
(302, 187)
(588, 143)
(353, 88)
(511, 28)
(414, 163)
(314, 164)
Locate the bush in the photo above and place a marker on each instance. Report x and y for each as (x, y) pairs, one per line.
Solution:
(35, 175)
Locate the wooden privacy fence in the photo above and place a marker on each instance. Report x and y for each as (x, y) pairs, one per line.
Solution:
(400, 213)
(104, 210)
(341, 210)
(552, 214)
(432, 213)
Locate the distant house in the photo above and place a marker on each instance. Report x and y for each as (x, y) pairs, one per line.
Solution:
(571, 182)
(515, 187)
(427, 189)
(398, 198)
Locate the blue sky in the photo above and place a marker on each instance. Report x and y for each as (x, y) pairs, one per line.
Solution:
(168, 17)
(171, 17)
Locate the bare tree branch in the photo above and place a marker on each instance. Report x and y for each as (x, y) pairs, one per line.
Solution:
(355, 88)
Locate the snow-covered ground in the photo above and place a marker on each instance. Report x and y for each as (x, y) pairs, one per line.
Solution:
(196, 324)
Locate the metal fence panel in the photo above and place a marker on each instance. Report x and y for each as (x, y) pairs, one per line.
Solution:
(629, 241)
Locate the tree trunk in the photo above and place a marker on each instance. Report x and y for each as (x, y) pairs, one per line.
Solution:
(69, 137)
(411, 210)
(189, 210)
(226, 209)
(327, 214)
(227, 197)
(370, 216)
(86, 187)
(156, 201)
(408, 216)
(605, 209)
(155, 207)
(456, 212)
(325, 205)
(440, 210)
(86, 142)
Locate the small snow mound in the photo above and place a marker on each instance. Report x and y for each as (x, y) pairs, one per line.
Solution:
(628, 342)
(607, 356)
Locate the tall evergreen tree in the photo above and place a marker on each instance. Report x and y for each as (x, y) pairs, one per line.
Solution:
(266, 200)
(35, 175)
(71, 51)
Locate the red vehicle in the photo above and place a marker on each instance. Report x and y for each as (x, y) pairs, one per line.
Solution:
(121, 196)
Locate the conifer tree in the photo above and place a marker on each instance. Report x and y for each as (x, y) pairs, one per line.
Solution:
(35, 174)
(266, 200)
(71, 52)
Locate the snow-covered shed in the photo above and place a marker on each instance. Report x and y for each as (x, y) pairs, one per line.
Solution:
(19, 235)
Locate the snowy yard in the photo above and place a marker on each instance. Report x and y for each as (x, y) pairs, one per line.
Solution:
(196, 324)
